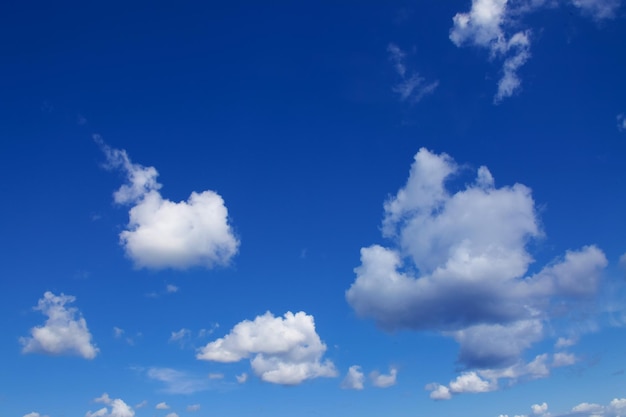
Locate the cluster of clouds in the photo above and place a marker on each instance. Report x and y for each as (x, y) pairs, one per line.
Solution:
(494, 25)
(65, 331)
(616, 408)
(113, 408)
(459, 265)
(282, 350)
(167, 234)
(355, 378)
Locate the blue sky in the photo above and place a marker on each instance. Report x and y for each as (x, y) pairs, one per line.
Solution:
(312, 208)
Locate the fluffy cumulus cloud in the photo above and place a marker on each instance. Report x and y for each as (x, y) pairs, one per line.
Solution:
(167, 234)
(354, 378)
(65, 331)
(115, 408)
(494, 25)
(539, 408)
(162, 406)
(282, 350)
(412, 87)
(384, 381)
(459, 265)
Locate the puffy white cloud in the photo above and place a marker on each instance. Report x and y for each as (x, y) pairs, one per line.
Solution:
(116, 408)
(384, 381)
(460, 266)
(178, 382)
(64, 332)
(281, 350)
(539, 408)
(166, 234)
(162, 406)
(193, 407)
(104, 399)
(354, 378)
(468, 382)
(242, 378)
(412, 87)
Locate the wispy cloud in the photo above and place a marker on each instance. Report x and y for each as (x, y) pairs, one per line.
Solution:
(178, 382)
(412, 87)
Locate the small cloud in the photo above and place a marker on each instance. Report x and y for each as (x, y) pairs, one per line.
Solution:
(621, 122)
(539, 408)
(172, 415)
(412, 87)
(564, 342)
(178, 382)
(180, 336)
(216, 376)
(193, 407)
(104, 399)
(162, 406)
(171, 289)
(165, 234)
(81, 120)
(354, 378)
(242, 378)
(117, 332)
(64, 332)
(563, 359)
(384, 381)
(141, 404)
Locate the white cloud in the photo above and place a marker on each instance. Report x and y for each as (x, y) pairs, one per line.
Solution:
(563, 359)
(178, 382)
(621, 122)
(162, 406)
(165, 234)
(141, 404)
(104, 399)
(242, 378)
(563, 342)
(468, 382)
(117, 332)
(460, 266)
(384, 381)
(64, 332)
(117, 408)
(412, 87)
(489, 24)
(34, 414)
(193, 407)
(172, 415)
(284, 351)
(354, 378)
(171, 288)
(598, 9)
(438, 391)
(539, 408)
(216, 376)
(180, 335)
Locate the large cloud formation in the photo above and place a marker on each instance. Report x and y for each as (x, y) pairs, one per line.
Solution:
(165, 234)
(65, 331)
(459, 266)
(283, 350)
(494, 25)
